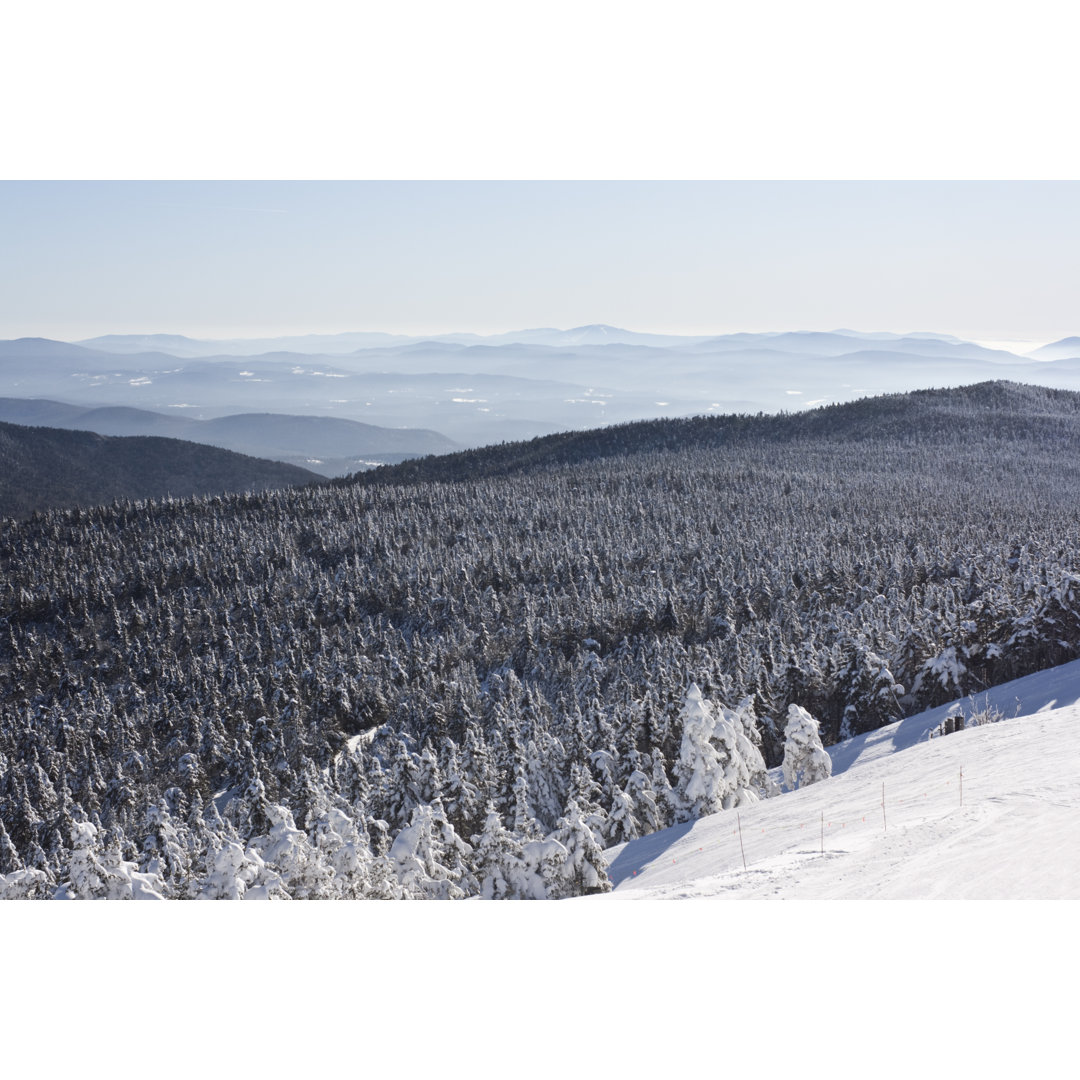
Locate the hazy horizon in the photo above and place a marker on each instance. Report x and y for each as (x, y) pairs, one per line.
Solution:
(1016, 345)
(984, 261)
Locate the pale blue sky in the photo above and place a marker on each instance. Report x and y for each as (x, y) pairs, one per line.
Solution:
(987, 260)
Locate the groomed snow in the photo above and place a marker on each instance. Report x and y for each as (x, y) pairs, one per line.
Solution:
(1016, 834)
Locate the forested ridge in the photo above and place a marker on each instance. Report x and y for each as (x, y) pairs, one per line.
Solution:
(42, 468)
(467, 675)
(1019, 411)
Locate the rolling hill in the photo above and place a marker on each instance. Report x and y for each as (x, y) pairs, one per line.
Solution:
(42, 468)
(328, 445)
(1016, 411)
(1065, 349)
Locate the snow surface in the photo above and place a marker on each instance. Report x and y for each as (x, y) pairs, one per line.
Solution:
(1011, 832)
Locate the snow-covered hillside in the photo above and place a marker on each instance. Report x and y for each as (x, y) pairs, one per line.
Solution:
(1012, 832)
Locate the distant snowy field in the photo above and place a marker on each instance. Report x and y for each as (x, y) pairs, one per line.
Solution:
(1015, 835)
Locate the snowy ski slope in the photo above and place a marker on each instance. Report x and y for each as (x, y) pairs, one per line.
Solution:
(1013, 832)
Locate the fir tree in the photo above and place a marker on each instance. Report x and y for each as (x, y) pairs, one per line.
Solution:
(805, 760)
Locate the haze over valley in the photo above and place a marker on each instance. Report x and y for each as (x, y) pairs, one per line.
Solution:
(388, 397)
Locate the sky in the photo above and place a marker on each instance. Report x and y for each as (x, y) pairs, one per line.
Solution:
(986, 260)
(488, 167)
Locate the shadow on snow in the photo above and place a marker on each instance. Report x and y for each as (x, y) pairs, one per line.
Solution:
(637, 854)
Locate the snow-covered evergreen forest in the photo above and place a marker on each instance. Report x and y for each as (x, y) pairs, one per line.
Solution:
(467, 676)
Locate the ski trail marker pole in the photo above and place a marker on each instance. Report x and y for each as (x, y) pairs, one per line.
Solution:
(738, 818)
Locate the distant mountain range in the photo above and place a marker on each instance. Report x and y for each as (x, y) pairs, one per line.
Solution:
(43, 468)
(330, 446)
(343, 344)
(1065, 349)
(473, 390)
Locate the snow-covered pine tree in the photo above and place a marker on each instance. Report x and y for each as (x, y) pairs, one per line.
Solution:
(401, 790)
(666, 797)
(870, 693)
(94, 874)
(621, 824)
(698, 769)
(417, 855)
(545, 861)
(805, 759)
(343, 849)
(746, 723)
(585, 795)
(455, 854)
(583, 870)
(165, 851)
(545, 762)
(25, 884)
(287, 851)
(730, 740)
(526, 826)
(942, 678)
(499, 864)
(647, 812)
(9, 857)
(712, 773)
(229, 871)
